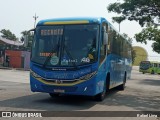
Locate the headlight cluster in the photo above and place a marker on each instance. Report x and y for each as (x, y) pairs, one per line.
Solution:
(88, 76)
(34, 74)
(85, 77)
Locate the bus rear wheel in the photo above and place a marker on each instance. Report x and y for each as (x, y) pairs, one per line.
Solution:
(122, 86)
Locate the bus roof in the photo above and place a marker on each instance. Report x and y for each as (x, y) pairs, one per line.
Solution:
(78, 20)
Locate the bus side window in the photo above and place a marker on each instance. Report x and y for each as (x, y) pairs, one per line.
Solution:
(109, 40)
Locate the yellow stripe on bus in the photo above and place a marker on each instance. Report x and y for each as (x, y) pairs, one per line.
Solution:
(56, 84)
(66, 22)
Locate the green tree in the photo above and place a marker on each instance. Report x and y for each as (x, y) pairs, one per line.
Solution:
(147, 13)
(8, 35)
(143, 11)
(150, 33)
(29, 36)
(118, 20)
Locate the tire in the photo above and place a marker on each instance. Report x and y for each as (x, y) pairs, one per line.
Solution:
(100, 97)
(152, 72)
(54, 95)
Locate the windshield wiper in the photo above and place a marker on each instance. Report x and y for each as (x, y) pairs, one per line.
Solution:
(50, 54)
(48, 58)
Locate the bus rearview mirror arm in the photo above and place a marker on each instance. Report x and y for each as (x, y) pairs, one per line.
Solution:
(32, 30)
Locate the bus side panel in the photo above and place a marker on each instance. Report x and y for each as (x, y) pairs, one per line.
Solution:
(116, 67)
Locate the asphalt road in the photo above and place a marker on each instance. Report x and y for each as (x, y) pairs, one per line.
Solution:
(142, 93)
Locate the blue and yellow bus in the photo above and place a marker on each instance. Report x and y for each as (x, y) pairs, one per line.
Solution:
(78, 56)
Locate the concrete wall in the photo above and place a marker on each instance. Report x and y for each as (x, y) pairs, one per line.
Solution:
(26, 56)
(18, 59)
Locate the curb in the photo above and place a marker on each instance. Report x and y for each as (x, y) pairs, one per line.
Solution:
(8, 68)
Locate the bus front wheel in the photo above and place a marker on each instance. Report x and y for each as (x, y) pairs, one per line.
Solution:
(100, 96)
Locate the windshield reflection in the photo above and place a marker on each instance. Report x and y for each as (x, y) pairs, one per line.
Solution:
(69, 45)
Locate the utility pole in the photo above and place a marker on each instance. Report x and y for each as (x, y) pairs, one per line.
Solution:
(35, 19)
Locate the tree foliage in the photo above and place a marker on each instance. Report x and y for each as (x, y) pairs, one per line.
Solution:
(150, 33)
(8, 35)
(118, 19)
(143, 11)
(147, 13)
(29, 36)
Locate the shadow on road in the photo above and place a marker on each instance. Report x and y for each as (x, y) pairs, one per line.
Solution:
(136, 101)
(150, 82)
(42, 101)
(131, 97)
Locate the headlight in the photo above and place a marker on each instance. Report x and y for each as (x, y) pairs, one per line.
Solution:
(34, 74)
(88, 76)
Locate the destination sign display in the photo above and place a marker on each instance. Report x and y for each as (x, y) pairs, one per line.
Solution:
(47, 32)
(46, 54)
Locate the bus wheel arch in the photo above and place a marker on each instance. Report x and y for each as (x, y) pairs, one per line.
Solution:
(107, 82)
(122, 86)
(125, 76)
(101, 96)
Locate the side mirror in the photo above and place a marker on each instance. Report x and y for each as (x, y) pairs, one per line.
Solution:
(105, 38)
(26, 37)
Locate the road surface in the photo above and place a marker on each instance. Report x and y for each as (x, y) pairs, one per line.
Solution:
(142, 93)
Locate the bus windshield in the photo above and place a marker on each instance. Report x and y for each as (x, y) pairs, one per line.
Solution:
(145, 65)
(65, 45)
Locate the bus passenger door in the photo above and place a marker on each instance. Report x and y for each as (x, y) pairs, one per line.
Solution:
(103, 48)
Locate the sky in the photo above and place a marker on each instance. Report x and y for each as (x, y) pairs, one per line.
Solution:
(17, 16)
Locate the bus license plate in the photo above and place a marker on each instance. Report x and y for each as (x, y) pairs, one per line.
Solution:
(59, 91)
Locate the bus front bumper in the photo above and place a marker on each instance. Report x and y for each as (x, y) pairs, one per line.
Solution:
(84, 88)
